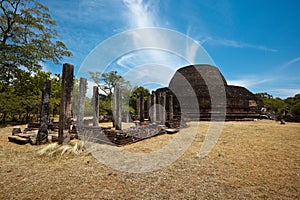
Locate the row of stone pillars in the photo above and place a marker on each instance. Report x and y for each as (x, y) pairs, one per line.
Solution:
(157, 107)
(65, 113)
(81, 103)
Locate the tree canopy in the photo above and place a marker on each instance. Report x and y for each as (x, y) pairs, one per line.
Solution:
(107, 81)
(27, 38)
(21, 101)
(277, 104)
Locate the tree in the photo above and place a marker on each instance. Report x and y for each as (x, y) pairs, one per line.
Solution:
(22, 100)
(294, 104)
(88, 108)
(55, 95)
(271, 103)
(107, 81)
(136, 92)
(27, 38)
(264, 95)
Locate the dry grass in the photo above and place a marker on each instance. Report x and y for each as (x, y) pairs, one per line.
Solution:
(252, 160)
(75, 147)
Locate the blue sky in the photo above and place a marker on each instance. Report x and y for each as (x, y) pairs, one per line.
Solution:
(254, 43)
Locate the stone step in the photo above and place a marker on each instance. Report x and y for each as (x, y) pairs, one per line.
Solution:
(18, 140)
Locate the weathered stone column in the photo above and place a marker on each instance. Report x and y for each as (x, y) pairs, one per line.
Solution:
(42, 136)
(81, 101)
(154, 118)
(163, 107)
(117, 107)
(142, 106)
(65, 112)
(149, 102)
(171, 109)
(158, 107)
(138, 107)
(95, 106)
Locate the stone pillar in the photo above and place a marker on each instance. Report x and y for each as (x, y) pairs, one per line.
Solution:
(42, 136)
(117, 107)
(65, 112)
(158, 108)
(81, 101)
(154, 102)
(163, 107)
(149, 102)
(138, 109)
(171, 109)
(95, 106)
(142, 106)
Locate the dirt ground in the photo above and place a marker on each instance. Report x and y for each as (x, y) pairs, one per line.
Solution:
(252, 160)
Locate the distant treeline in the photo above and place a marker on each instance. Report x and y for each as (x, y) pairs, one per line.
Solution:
(277, 104)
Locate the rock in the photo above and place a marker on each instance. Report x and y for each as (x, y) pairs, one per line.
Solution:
(18, 140)
(16, 131)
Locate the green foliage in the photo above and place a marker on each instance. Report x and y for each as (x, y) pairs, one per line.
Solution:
(107, 81)
(20, 101)
(88, 108)
(27, 38)
(277, 104)
(295, 109)
(274, 104)
(55, 94)
(105, 108)
(294, 104)
(136, 92)
(264, 95)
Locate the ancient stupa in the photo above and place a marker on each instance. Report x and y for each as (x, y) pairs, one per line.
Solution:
(200, 92)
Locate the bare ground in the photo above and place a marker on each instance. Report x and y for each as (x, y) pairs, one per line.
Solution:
(252, 160)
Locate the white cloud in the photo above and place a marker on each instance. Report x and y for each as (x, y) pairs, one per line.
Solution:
(126, 61)
(150, 74)
(142, 14)
(235, 44)
(290, 62)
(267, 85)
(145, 46)
(90, 85)
(285, 92)
(247, 82)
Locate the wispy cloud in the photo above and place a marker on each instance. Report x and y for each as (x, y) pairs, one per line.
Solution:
(276, 86)
(150, 74)
(150, 62)
(141, 70)
(235, 44)
(290, 62)
(141, 14)
(90, 85)
(285, 92)
(247, 82)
